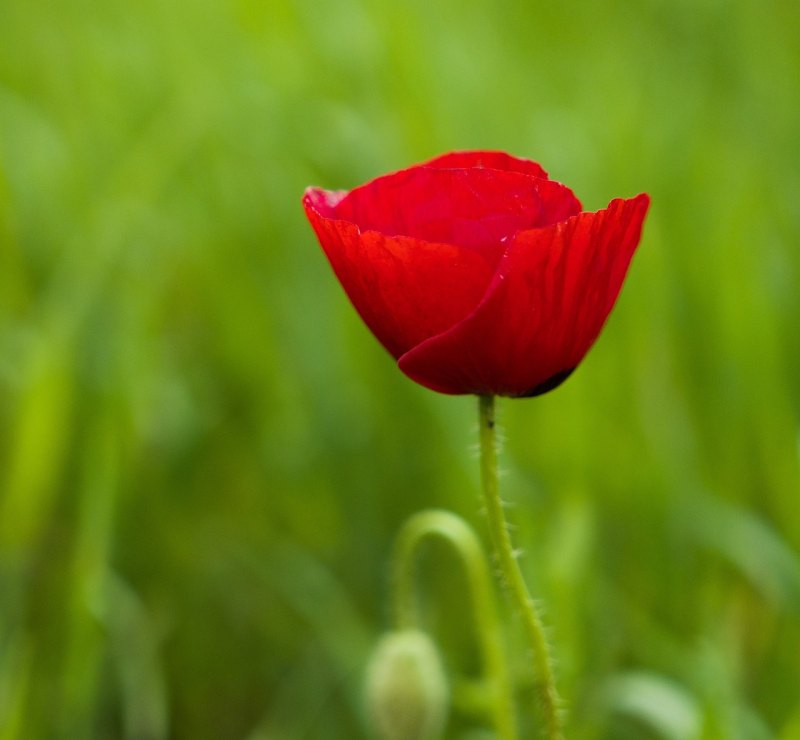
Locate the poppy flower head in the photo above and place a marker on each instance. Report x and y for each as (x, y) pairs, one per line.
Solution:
(477, 272)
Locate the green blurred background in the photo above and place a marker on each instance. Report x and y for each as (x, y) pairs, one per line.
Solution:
(204, 455)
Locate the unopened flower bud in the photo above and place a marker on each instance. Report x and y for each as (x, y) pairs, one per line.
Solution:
(406, 688)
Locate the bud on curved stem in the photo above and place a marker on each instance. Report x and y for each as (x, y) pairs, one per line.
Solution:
(454, 531)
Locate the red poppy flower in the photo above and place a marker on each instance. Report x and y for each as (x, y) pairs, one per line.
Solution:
(477, 272)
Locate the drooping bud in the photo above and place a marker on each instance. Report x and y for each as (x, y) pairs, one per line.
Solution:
(406, 688)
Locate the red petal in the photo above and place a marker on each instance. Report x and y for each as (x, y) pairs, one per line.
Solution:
(492, 160)
(476, 208)
(405, 289)
(543, 311)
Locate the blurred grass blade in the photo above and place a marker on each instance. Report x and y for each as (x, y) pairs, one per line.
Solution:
(657, 702)
(134, 646)
(747, 541)
(35, 452)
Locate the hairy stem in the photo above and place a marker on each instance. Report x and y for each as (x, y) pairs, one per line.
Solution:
(509, 567)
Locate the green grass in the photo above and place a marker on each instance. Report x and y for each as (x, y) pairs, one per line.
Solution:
(204, 455)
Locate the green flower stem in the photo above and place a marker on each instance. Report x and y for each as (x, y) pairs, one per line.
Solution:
(512, 574)
(455, 532)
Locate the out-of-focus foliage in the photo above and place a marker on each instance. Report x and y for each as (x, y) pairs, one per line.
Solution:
(204, 455)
